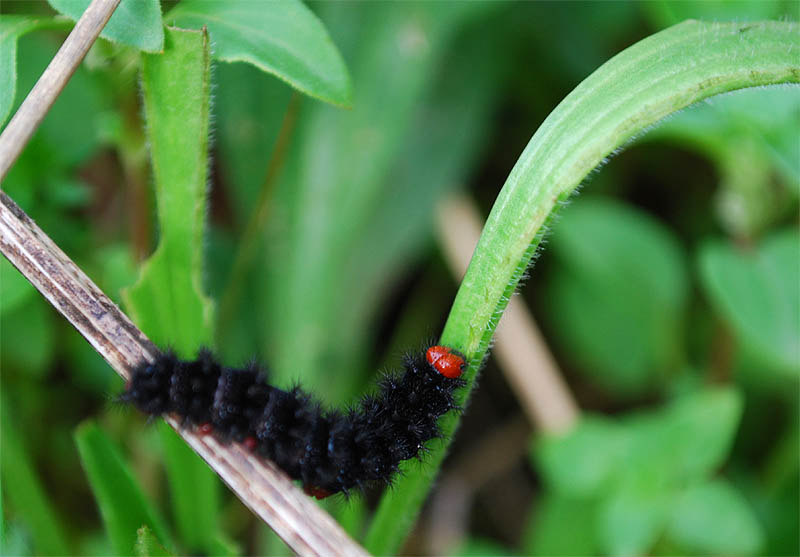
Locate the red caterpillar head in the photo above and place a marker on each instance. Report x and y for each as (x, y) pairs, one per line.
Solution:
(445, 361)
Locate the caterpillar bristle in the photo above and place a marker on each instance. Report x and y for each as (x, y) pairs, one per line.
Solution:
(329, 451)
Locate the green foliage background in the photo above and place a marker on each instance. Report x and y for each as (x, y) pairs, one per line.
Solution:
(669, 289)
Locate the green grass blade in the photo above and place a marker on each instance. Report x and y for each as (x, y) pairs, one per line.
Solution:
(122, 503)
(167, 302)
(633, 91)
(25, 493)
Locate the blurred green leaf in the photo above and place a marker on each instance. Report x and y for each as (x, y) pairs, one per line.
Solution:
(751, 136)
(756, 292)
(249, 107)
(636, 467)
(12, 27)
(713, 518)
(135, 23)
(669, 12)
(697, 432)
(562, 526)
(480, 547)
(14, 540)
(167, 302)
(586, 460)
(15, 289)
(685, 441)
(24, 492)
(437, 155)
(147, 544)
(282, 38)
(88, 370)
(631, 520)
(123, 505)
(116, 269)
(617, 297)
(33, 326)
(770, 116)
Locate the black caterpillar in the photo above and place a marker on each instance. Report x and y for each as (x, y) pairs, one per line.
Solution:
(329, 451)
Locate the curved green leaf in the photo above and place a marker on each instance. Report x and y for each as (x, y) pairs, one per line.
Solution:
(135, 23)
(713, 518)
(634, 90)
(282, 38)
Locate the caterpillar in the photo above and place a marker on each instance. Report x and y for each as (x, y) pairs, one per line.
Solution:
(328, 450)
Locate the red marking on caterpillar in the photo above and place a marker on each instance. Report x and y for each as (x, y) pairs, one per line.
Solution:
(328, 450)
(445, 361)
(250, 443)
(316, 492)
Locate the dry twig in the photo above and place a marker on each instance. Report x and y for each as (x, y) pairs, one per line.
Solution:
(265, 489)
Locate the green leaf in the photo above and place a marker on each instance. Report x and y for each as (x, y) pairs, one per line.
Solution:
(697, 432)
(585, 460)
(33, 326)
(167, 302)
(24, 492)
(634, 90)
(147, 544)
(562, 526)
(756, 292)
(617, 296)
(751, 137)
(122, 503)
(670, 12)
(135, 23)
(631, 520)
(713, 518)
(249, 107)
(686, 440)
(282, 38)
(12, 27)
